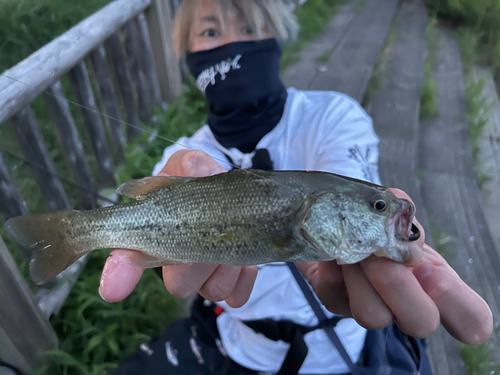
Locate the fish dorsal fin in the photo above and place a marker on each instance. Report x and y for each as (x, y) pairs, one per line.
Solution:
(139, 189)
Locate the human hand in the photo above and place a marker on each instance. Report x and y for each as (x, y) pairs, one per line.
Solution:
(417, 295)
(123, 271)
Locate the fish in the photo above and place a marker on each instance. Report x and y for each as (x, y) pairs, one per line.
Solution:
(239, 218)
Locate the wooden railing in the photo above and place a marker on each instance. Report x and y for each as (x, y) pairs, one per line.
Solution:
(127, 42)
(129, 39)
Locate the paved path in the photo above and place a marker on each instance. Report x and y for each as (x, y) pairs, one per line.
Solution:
(447, 194)
(489, 153)
(449, 188)
(395, 110)
(355, 39)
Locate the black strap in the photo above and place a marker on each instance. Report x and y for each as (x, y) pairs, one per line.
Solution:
(320, 314)
(292, 333)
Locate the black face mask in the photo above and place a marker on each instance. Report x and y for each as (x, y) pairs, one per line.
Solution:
(245, 94)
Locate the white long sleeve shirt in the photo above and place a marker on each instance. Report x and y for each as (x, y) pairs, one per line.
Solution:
(324, 131)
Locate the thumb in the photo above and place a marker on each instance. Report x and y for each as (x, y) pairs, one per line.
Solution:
(191, 163)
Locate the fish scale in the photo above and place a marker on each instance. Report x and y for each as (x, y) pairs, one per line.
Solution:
(235, 218)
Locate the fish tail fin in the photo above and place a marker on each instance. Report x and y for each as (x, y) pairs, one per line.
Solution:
(45, 235)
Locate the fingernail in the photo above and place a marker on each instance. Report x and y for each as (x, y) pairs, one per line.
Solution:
(100, 293)
(423, 270)
(218, 169)
(116, 277)
(107, 277)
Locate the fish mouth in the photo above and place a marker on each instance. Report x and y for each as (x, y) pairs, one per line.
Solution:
(415, 233)
(406, 230)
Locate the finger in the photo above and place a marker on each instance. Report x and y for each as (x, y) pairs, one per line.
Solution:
(193, 163)
(184, 280)
(414, 311)
(369, 310)
(416, 254)
(120, 275)
(221, 283)
(243, 288)
(464, 314)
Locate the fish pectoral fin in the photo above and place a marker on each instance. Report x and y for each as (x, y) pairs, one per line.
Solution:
(280, 243)
(139, 189)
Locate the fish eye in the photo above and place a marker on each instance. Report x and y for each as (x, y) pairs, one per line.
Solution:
(380, 205)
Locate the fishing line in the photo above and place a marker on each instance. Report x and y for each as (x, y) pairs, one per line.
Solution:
(124, 122)
(53, 174)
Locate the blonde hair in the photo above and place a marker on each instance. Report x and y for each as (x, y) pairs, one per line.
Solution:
(275, 15)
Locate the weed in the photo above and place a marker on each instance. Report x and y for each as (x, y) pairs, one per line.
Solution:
(360, 6)
(477, 360)
(428, 93)
(325, 56)
(478, 112)
(381, 65)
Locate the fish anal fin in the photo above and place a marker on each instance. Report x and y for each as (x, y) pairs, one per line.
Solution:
(149, 261)
(139, 189)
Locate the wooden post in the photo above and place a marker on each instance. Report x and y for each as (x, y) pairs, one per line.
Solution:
(93, 123)
(11, 202)
(160, 16)
(24, 332)
(108, 99)
(34, 147)
(149, 62)
(115, 50)
(72, 146)
(134, 57)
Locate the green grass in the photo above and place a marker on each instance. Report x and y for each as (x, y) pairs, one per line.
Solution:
(478, 361)
(428, 93)
(95, 335)
(478, 112)
(376, 80)
(27, 25)
(323, 58)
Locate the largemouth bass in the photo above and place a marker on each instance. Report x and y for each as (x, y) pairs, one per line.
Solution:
(236, 218)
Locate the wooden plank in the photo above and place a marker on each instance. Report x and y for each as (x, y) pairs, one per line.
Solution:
(108, 99)
(24, 332)
(489, 151)
(114, 46)
(302, 73)
(35, 150)
(159, 16)
(134, 53)
(149, 62)
(351, 65)
(93, 123)
(395, 107)
(72, 146)
(11, 202)
(448, 186)
(22, 83)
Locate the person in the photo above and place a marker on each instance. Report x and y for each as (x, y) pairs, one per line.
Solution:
(232, 48)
